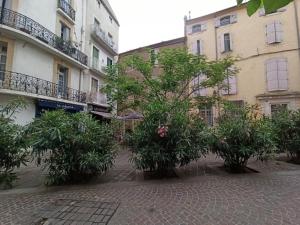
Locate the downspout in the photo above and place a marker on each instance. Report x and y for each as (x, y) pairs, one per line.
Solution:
(2, 11)
(217, 57)
(297, 26)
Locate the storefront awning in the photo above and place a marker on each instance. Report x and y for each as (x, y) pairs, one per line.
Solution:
(104, 115)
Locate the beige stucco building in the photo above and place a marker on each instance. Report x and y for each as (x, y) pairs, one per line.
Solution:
(267, 52)
(46, 53)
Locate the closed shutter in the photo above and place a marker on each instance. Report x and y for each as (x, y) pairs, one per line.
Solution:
(233, 18)
(196, 83)
(221, 43)
(194, 48)
(189, 29)
(278, 32)
(277, 74)
(231, 41)
(204, 27)
(201, 47)
(202, 91)
(217, 22)
(232, 85)
(271, 34)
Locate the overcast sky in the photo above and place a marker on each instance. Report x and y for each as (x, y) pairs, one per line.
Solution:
(145, 22)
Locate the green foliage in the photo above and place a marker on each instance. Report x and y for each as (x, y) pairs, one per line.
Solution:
(241, 134)
(287, 127)
(168, 136)
(269, 5)
(74, 147)
(12, 143)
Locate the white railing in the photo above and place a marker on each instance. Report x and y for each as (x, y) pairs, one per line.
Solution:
(104, 37)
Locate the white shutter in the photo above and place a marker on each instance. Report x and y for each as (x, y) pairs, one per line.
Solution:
(189, 29)
(262, 12)
(217, 22)
(221, 43)
(271, 33)
(231, 41)
(203, 91)
(282, 74)
(233, 18)
(272, 79)
(204, 27)
(232, 85)
(201, 47)
(278, 32)
(194, 48)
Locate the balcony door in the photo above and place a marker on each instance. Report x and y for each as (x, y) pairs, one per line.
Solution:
(3, 57)
(65, 32)
(62, 81)
(95, 58)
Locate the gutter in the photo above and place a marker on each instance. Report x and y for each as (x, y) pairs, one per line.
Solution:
(297, 25)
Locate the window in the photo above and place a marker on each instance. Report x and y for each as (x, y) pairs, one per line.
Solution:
(275, 108)
(225, 20)
(227, 42)
(277, 74)
(109, 61)
(3, 57)
(206, 114)
(62, 81)
(197, 86)
(196, 28)
(65, 32)
(95, 85)
(95, 58)
(198, 47)
(230, 86)
(274, 32)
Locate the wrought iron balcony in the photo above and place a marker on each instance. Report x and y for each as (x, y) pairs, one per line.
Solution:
(33, 28)
(33, 85)
(67, 8)
(100, 34)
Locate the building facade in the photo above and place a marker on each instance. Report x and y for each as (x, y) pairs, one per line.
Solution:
(44, 51)
(267, 51)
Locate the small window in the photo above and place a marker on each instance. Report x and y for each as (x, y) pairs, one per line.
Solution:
(196, 28)
(227, 42)
(95, 85)
(225, 20)
(276, 108)
(65, 32)
(206, 113)
(109, 61)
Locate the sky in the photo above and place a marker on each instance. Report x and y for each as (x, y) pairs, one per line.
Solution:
(146, 22)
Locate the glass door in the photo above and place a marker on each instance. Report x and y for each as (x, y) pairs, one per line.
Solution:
(62, 82)
(3, 57)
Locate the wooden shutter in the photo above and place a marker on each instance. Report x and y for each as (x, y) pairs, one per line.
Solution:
(277, 74)
(221, 43)
(282, 74)
(202, 91)
(204, 27)
(272, 81)
(278, 32)
(233, 18)
(194, 48)
(201, 47)
(232, 85)
(271, 33)
(189, 29)
(217, 22)
(231, 41)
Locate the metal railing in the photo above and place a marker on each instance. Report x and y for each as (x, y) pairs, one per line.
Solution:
(33, 85)
(67, 8)
(104, 37)
(25, 24)
(97, 98)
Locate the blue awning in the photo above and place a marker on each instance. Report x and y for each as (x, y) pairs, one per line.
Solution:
(59, 105)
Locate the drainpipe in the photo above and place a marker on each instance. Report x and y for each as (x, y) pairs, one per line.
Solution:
(2, 11)
(297, 26)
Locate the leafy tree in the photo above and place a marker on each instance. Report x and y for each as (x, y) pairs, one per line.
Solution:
(74, 147)
(12, 143)
(287, 127)
(269, 5)
(169, 135)
(241, 134)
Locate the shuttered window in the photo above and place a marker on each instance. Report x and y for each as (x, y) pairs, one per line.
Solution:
(225, 43)
(197, 87)
(226, 20)
(206, 113)
(198, 47)
(277, 74)
(196, 28)
(274, 32)
(230, 86)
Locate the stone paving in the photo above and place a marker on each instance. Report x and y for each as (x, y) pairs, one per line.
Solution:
(202, 194)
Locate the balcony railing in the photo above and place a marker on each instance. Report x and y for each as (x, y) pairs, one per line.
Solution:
(97, 98)
(67, 8)
(33, 85)
(96, 29)
(33, 28)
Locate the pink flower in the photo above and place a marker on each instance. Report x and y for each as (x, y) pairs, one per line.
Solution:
(162, 131)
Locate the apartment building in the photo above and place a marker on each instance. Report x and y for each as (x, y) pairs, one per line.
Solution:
(45, 53)
(267, 51)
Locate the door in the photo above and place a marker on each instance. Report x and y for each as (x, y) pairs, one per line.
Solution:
(62, 82)
(3, 58)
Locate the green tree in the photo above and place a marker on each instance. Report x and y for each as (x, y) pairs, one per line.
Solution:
(169, 135)
(12, 143)
(269, 5)
(74, 147)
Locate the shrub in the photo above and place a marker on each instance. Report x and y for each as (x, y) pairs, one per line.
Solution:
(241, 134)
(12, 144)
(74, 147)
(287, 128)
(166, 139)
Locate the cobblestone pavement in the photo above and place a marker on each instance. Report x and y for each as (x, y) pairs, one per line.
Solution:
(202, 194)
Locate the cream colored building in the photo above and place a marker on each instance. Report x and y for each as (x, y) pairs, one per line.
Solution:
(267, 49)
(45, 51)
